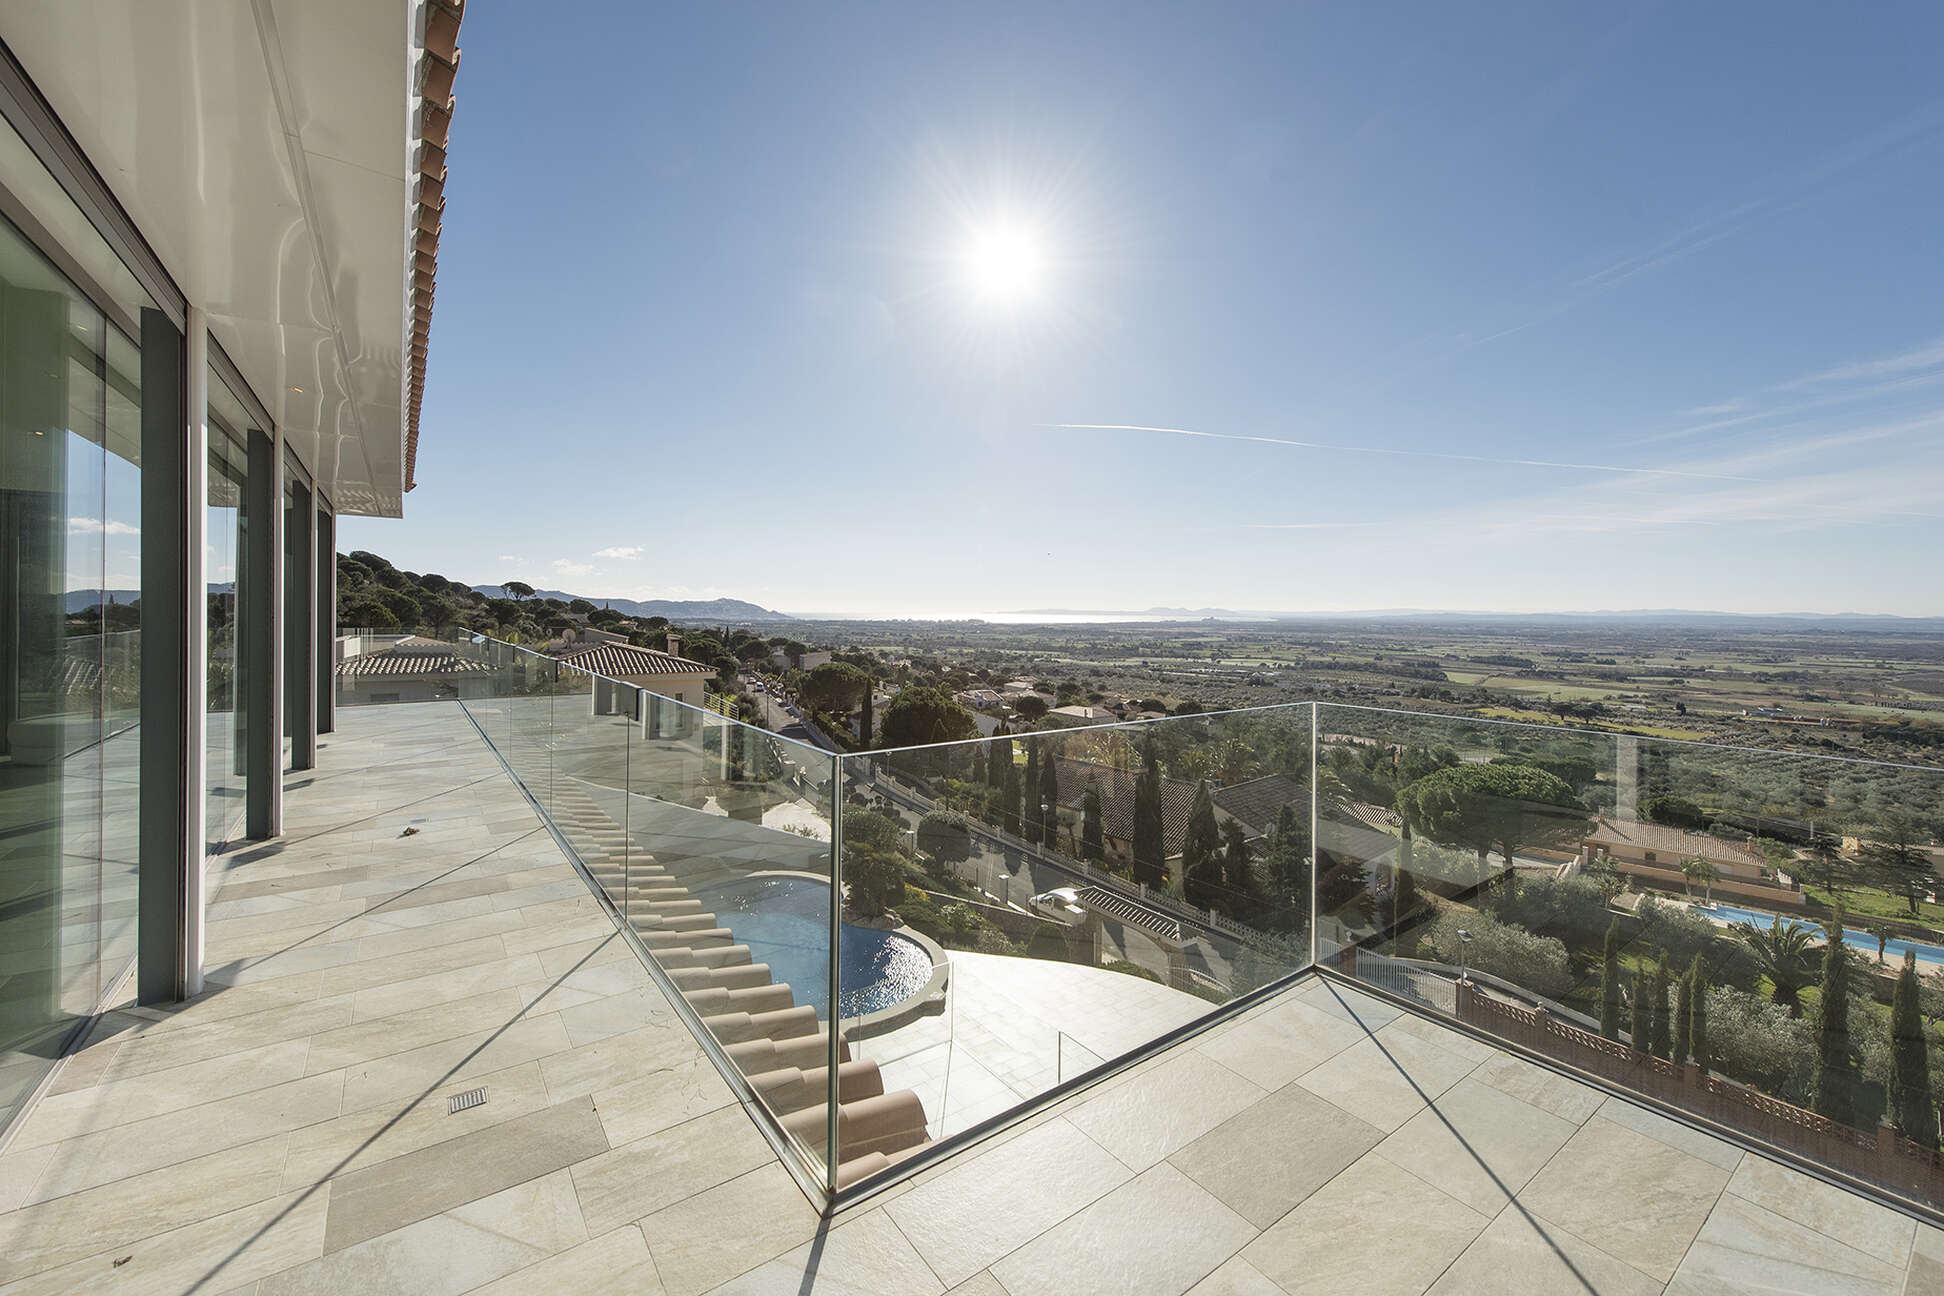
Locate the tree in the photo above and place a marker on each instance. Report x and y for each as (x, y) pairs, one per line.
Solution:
(1698, 1011)
(945, 836)
(1092, 844)
(1881, 932)
(834, 686)
(1783, 953)
(1683, 1016)
(1286, 871)
(517, 589)
(1895, 855)
(1911, 1104)
(1837, 1075)
(1675, 812)
(1642, 1024)
(874, 878)
(999, 755)
(1659, 1038)
(1610, 983)
(1404, 896)
(864, 712)
(1032, 817)
(1030, 706)
(923, 715)
(1201, 865)
(1049, 797)
(1826, 866)
(1479, 805)
(1009, 796)
(1695, 869)
(1150, 851)
(1238, 878)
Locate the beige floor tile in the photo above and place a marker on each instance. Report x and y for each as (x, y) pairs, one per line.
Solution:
(1274, 1048)
(412, 1029)
(1266, 1158)
(408, 1188)
(661, 1099)
(614, 1264)
(1684, 1138)
(1547, 1090)
(1236, 1277)
(448, 1253)
(1478, 1144)
(1147, 1118)
(640, 1178)
(724, 1231)
(1744, 1250)
(1388, 1078)
(980, 1210)
(403, 1076)
(1157, 1234)
(1520, 1256)
(1632, 1196)
(979, 1284)
(1852, 1220)
(1327, 1246)
(866, 1256)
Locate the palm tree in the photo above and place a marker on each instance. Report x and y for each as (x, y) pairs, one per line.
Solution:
(1785, 957)
(1695, 869)
(1882, 932)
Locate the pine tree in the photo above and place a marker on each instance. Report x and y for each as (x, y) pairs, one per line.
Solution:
(1683, 1016)
(864, 713)
(1697, 975)
(1150, 851)
(1049, 795)
(1641, 1022)
(1659, 1041)
(1030, 785)
(1910, 1101)
(1092, 846)
(1286, 870)
(1201, 864)
(1610, 983)
(1836, 1079)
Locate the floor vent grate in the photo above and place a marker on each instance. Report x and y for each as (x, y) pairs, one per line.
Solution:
(464, 1101)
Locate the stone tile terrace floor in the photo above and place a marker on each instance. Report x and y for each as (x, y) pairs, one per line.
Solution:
(288, 1131)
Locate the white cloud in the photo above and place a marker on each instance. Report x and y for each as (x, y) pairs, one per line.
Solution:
(569, 568)
(84, 524)
(512, 558)
(619, 551)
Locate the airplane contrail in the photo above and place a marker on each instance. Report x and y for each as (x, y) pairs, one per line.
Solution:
(1404, 454)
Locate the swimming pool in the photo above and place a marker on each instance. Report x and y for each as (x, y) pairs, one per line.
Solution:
(1893, 949)
(785, 921)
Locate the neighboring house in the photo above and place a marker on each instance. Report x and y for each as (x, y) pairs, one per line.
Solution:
(411, 669)
(980, 699)
(1081, 715)
(1653, 854)
(809, 661)
(658, 672)
(1256, 803)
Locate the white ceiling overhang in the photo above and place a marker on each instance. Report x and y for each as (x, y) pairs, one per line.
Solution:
(266, 151)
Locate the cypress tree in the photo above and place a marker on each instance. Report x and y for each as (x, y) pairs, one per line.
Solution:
(1683, 1016)
(1834, 1094)
(1659, 1041)
(1404, 897)
(1610, 983)
(1201, 864)
(1030, 785)
(1911, 1104)
(1238, 877)
(1698, 1012)
(1049, 793)
(1009, 796)
(1641, 1025)
(1150, 852)
(1092, 846)
(999, 757)
(978, 763)
(864, 713)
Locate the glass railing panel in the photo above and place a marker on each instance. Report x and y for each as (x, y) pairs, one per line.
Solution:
(1656, 914)
(728, 888)
(593, 731)
(1054, 900)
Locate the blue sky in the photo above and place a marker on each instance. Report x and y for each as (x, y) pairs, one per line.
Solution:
(1509, 307)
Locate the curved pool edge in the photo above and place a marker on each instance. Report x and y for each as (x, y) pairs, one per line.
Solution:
(927, 1001)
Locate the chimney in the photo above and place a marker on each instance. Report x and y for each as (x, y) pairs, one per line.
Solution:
(674, 644)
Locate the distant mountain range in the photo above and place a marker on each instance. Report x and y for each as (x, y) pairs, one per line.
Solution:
(722, 609)
(1634, 616)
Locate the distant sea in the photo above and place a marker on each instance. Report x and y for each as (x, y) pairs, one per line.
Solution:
(1021, 618)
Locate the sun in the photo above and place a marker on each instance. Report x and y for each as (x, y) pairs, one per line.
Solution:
(1005, 263)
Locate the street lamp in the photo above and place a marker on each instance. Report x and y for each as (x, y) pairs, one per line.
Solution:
(1464, 955)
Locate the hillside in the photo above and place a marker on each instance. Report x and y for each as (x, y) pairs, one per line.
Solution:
(714, 610)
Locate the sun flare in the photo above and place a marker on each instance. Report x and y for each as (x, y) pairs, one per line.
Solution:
(1005, 263)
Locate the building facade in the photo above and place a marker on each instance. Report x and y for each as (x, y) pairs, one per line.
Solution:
(219, 227)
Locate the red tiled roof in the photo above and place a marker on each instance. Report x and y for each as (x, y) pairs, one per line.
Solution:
(1673, 842)
(1117, 800)
(621, 661)
(411, 656)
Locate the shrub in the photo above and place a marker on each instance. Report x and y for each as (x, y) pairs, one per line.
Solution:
(1573, 909)
(874, 879)
(1758, 1043)
(1537, 963)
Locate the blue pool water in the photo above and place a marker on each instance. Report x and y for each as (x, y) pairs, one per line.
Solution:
(1893, 949)
(786, 923)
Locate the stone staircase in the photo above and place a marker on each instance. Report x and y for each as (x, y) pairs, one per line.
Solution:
(780, 1045)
